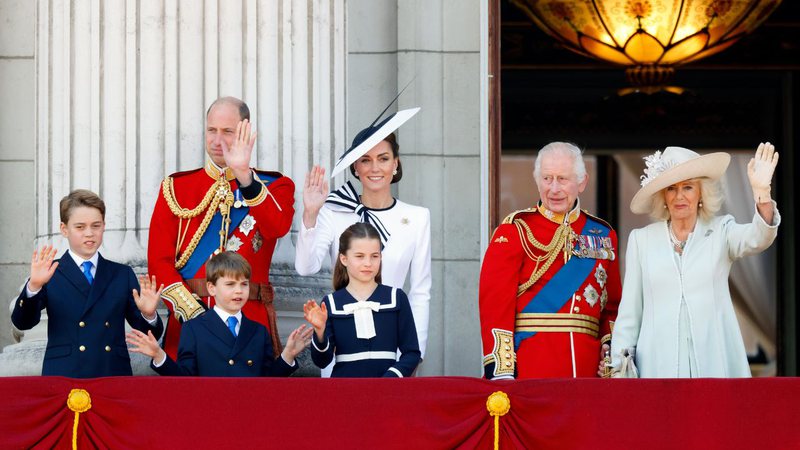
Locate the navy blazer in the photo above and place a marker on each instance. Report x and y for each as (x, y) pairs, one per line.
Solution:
(86, 323)
(208, 349)
(376, 356)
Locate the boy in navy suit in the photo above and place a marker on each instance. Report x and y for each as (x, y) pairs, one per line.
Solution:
(88, 298)
(222, 342)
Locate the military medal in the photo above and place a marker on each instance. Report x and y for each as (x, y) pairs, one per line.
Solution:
(257, 241)
(600, 275)
(247, 225)
(239, 202)
(595, 247)
(234, 243)
(591, 295)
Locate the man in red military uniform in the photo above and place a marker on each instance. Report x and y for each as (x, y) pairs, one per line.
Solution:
(549, 284)
(224, 206)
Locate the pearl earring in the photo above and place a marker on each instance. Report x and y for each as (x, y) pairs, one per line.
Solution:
(700, 205)
(665, 206)
(394, 172)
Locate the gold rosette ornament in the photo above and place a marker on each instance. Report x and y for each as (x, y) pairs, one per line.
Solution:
(79, 401)
(498, 404)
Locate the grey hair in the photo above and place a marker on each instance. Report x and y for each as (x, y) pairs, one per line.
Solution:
(711, 195)
(561, 148)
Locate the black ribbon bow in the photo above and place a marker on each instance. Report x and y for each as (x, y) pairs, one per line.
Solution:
(347, 197)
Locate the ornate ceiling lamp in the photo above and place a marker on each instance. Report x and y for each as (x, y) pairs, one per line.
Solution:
(650, 37)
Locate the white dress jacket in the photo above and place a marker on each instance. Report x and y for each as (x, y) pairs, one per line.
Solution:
(648, 316)
(407, 252)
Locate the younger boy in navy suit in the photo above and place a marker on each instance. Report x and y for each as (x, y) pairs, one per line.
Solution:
(88, 298)
(222, 342)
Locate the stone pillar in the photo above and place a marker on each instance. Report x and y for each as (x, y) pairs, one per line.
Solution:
(121, 94)
(436, 43)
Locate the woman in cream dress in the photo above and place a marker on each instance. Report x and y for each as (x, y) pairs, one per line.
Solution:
(676, 316)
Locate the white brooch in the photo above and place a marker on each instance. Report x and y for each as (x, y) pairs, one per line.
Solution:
(591, 295)
(247, 225)
(404, 220)
(600, 275)
(655, 166)
(233, 245)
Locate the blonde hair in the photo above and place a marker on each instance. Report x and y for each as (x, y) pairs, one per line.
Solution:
(711, 196)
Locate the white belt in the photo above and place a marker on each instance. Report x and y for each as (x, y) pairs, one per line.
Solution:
(366, 355)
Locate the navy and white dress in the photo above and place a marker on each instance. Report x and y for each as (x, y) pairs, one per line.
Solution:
(385, 325)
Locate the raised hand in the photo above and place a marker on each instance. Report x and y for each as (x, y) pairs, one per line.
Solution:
(316, 315)
(760, 170)
(237, 157)
(315, 191)
(145, 344)
(42, 267)
(148, 300)
(298, 340)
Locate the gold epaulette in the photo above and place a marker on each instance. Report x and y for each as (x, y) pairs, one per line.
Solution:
(185, 305)
(598, 219)
(510, 218)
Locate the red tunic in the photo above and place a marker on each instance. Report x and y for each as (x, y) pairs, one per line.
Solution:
(566, 342)
(269, 217)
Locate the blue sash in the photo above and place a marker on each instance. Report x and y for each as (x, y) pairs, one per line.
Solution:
(209, 243)
(564, 283)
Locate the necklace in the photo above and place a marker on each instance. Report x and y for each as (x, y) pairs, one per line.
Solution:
(677, 245)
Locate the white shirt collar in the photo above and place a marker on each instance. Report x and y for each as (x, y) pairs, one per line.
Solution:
(224, 316)
(79, 260)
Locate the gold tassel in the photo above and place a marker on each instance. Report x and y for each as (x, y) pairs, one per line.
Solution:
(498, 404)
(79, 401)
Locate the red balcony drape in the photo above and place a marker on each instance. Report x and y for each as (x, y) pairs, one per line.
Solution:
(418, 413)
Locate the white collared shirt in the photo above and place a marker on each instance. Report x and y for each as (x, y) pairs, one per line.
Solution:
(79, 261)
(224, 316)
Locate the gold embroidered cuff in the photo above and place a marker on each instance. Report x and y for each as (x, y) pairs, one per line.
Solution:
(185, 305)
(259, 198)
(503, 354)
(605, 339)
(261, 195)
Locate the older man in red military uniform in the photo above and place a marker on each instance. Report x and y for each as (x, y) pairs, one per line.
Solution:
(549, 284)
(224, 206)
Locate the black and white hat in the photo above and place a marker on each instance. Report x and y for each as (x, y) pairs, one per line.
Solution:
(372, 135)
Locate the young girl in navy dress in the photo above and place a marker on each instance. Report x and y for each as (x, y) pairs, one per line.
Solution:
(364, 323)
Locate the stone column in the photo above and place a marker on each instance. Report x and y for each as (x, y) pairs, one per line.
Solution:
(121, 94)
(437, 44)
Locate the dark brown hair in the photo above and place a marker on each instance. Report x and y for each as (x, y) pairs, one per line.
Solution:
(227, 264)
(244, 111)
(355, 231)
(78, 198)
(392, 140)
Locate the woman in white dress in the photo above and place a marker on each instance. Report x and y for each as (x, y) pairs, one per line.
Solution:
(404, 228)
(676, 316)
